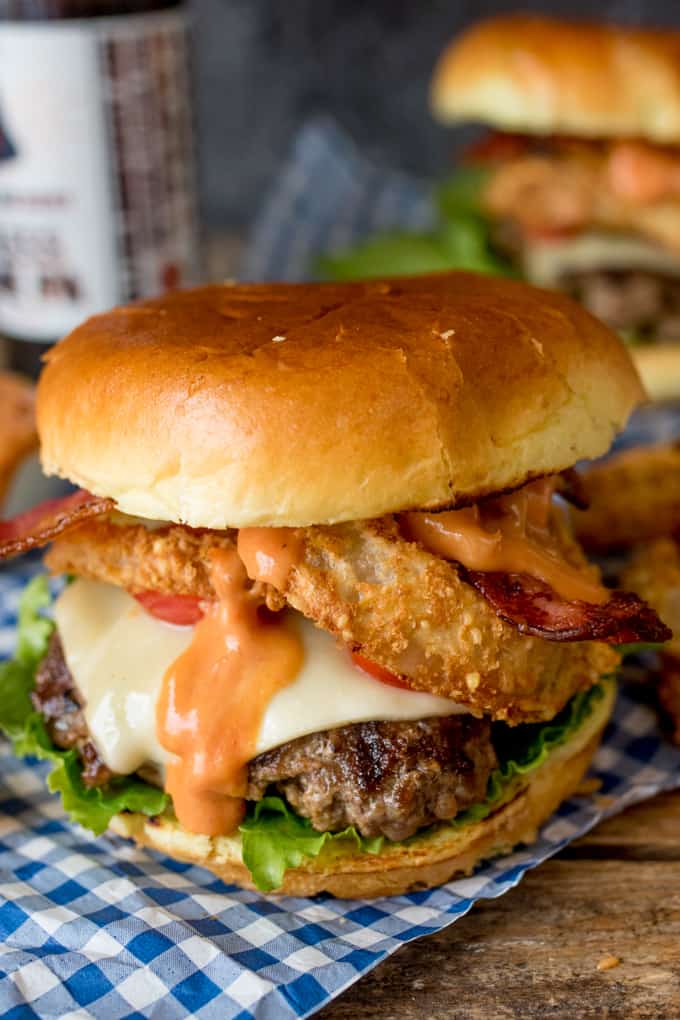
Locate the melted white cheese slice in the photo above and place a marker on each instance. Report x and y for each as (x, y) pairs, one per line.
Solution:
(546, 262)
(118, 655)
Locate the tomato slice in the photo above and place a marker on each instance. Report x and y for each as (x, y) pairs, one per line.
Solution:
(183, 610)
(379, 672)
(496, 147)
(548, 233)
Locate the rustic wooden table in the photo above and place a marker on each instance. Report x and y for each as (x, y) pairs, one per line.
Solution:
(534, 952)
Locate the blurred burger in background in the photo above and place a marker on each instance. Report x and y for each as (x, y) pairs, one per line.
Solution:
(584, 159)
(577, 186)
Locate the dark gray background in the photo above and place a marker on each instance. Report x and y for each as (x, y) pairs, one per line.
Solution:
(264, 66)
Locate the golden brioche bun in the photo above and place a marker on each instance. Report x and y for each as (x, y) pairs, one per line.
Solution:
(298, 404)
(658, 365)
(542, 75)
(421, 863)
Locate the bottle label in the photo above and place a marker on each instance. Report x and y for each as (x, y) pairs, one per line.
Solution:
(97, 190)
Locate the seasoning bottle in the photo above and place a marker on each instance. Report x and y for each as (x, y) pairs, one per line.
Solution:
(97, 181)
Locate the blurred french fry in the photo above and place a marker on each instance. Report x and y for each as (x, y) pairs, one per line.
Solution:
(645, 483)
(18, 437)
(668, 690)
(653, 573)
(634, 497)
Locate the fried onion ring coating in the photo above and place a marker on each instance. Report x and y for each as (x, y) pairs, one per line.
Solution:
(411, 612)
(171, 559)
(401, 606)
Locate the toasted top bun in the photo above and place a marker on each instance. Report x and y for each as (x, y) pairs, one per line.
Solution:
(298, 404)
(545, 75)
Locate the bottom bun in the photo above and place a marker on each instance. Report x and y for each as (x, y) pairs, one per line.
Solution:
(421, 863)
(658, 365)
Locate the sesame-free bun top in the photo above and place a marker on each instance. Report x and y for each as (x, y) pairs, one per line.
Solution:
(296, 404)
(542, 75)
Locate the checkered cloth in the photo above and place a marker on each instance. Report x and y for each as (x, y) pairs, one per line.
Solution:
(96, 928)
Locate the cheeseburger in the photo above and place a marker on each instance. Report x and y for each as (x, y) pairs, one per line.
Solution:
(325, 626)
(584, 161)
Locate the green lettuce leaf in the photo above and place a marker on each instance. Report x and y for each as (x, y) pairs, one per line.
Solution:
(461, 193)
(393, 254)
(92, 808)
(635, 647)
(521, 749)
(459, 240)
(275, 838)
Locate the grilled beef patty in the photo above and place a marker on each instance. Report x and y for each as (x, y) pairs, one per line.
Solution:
(385, 778)
(643, 302)
(58, 700)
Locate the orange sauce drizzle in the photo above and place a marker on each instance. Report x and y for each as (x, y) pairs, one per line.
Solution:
(269, 554)
(214, 696)
(509, 534)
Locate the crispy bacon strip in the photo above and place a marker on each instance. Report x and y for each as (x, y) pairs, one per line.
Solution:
(535, 608)
(44, 522)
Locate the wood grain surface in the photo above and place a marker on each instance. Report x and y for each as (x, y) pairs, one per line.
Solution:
(534, 953)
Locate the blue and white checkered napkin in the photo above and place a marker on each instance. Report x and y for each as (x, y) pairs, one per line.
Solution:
(97, 928)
